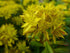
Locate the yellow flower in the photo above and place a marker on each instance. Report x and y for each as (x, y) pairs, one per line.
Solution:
(9, 8)
(22, 47)
(7, 34)
(58, 32)
(40, 19)
(5, 3)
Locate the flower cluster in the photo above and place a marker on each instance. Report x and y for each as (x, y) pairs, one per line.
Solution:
(5, 3)
(48, 20)
(7, 34)
(8, 11)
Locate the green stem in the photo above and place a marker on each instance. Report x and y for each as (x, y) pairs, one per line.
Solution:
(6, 48)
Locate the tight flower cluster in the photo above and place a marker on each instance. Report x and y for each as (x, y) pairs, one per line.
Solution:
(48, 20)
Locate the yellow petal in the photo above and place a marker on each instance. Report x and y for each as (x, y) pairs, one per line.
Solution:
(47, 35)
(27, 29)
(24, 25)
(37, 19)
(54, 39)
(60, 35)
(63, 32)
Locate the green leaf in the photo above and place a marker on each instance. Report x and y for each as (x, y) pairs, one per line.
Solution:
(48, 48)
(61, 50)
(35, 43)
(67, 20)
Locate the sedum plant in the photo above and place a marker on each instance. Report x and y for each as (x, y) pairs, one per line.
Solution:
(20, 48)
(5, 3)
(40, 23)
(23, 48)
(47, 20)
(8, 11)
(10, 16)
(7, 36)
